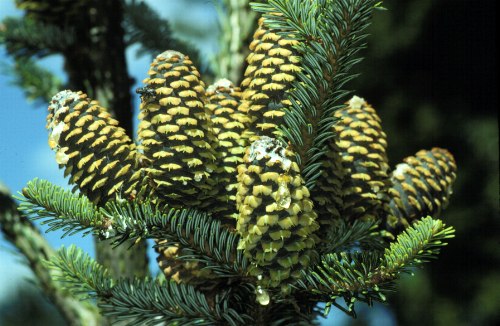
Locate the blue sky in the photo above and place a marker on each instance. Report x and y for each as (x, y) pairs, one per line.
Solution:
(24, 153)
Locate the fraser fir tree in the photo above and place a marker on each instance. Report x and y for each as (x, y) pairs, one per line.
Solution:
(264, 199)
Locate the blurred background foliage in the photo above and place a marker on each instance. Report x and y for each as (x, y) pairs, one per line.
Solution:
(430, 71)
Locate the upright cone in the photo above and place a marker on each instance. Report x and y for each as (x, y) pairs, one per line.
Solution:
(362, 144)
(174, 131)
(421, 186)
(101, 159)
(228, 126)
(272, 67)
(276, 221)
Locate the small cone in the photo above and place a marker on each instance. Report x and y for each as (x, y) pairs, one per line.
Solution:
(228, 126)
(421, 186)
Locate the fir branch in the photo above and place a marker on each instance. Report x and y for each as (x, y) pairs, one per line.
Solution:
(344, 275)
(37, 83)
(80, 273)
(144, 26)
(19, 231)
(25, 37)
(149, 302)
(204, 238)
(60, 208)
(330, 34)
(416, 245)
(346, 236)
(366, 276)
(141, 301)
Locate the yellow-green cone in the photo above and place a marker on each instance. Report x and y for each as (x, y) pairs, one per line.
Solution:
(362, 144)
(92, 148)
(272, 67)
(228, 125)
(174, 131)
(421, 186)
(277, 221)
(327, 193)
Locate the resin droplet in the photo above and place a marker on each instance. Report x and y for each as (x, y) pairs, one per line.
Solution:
(55, 134)
(357, 102)
(283, 196)
(262, 296)
(61, 157)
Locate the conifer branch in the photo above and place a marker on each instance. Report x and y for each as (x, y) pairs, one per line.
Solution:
(144, 26)
(141, 301)
(25, 37)
(365, 276)
(18, 230)
(345, 236)
(416, 245)
(60, 208)
(330, 34)
(37, 83)
(80, 273)
(204, 237)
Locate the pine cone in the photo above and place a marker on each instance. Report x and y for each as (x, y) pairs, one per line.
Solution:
(272, 67)
(228, 126)
(362, 144)
(277, 221)
(174, 132)
(421, 186)
(101, 159)
(327, 193)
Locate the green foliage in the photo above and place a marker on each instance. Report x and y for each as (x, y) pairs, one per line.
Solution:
(144, 26)
(355, 265)
(353, 275)
(331, 33)
(204, 237)
(26, 37)
(82, 275)
(366, 276)
(416, 245)
(140, 301)
(37, 83)
(59, 208)
(345, 236)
